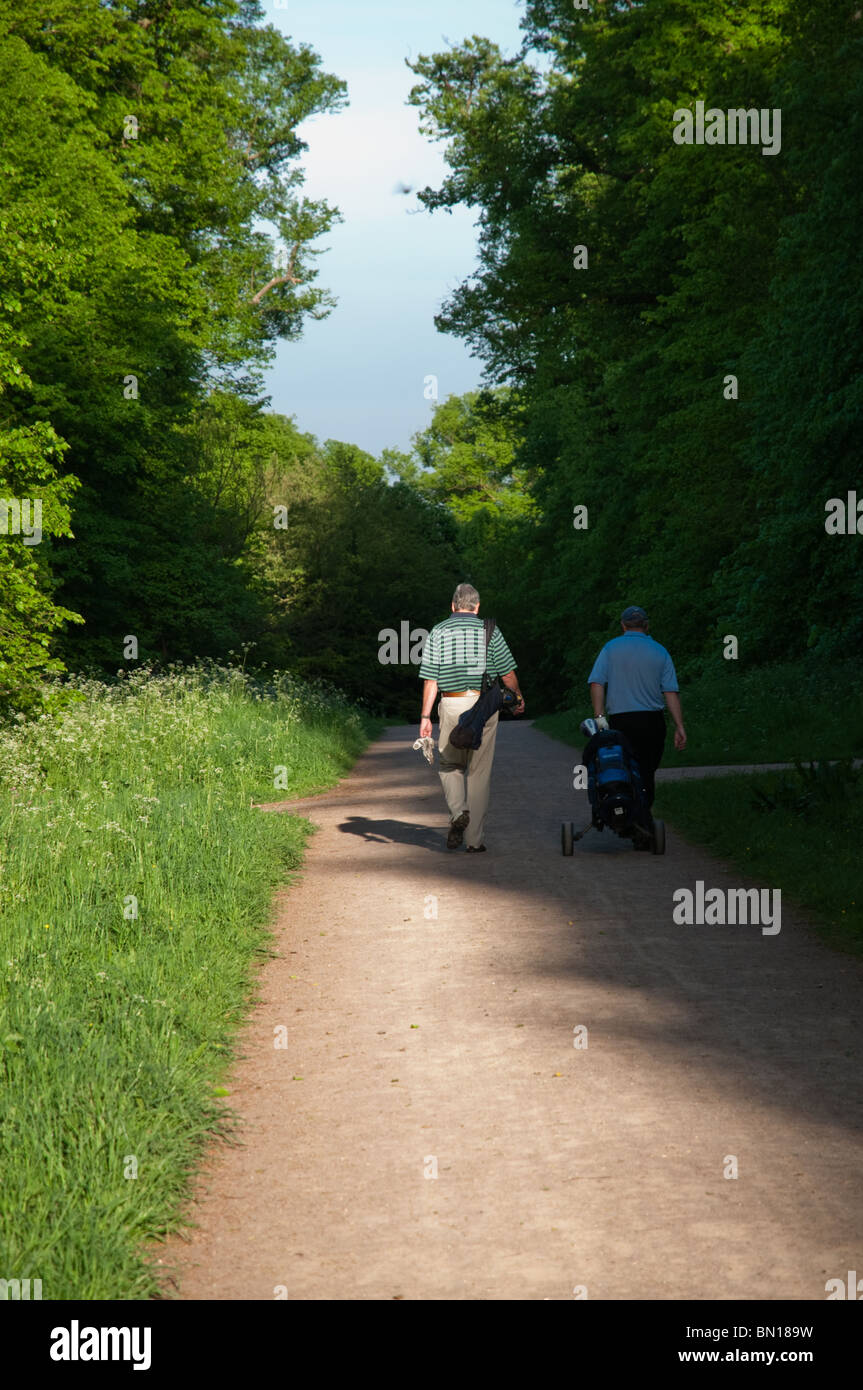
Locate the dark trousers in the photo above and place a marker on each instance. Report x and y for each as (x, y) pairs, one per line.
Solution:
(645, 730)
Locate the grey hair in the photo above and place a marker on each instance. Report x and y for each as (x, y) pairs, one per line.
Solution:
(465, 597)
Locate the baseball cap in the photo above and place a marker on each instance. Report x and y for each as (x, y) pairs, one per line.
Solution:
(633, 614)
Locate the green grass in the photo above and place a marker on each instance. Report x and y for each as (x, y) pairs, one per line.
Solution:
(116, 1029)
(788, 832)
(773, 714)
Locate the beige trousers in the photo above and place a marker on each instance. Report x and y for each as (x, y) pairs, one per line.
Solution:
(465, 773)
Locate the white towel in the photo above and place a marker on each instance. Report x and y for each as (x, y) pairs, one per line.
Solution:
(426, 746)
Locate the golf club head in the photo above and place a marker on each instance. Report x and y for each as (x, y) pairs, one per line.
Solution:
(588, 727)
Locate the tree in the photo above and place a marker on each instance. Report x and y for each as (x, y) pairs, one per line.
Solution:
(346, 553)
(154, 141)
(635, 294)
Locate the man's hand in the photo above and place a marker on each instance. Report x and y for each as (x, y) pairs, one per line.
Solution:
(429, 697)
(510, 680)
(597, 698)
(672, 699)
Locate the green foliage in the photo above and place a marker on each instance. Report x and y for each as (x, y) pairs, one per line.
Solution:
(144, 152)
(360, 555)
(28, 615)
(819, 788)
(466, 458)
(705, 262)
(145, 155)
(807, 365)
(152, 167)
(29, 458)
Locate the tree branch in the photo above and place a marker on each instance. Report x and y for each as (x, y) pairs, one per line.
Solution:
(287, 278)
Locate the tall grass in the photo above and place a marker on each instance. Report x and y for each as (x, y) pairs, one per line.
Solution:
(135, 884)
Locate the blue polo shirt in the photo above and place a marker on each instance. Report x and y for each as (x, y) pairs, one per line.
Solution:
(636, 670)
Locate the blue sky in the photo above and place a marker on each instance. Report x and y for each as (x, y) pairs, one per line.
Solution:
(359, 374)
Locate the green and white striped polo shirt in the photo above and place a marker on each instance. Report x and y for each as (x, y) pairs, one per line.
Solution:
(454, 653)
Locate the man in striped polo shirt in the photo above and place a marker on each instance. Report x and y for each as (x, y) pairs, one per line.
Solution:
(454, 659)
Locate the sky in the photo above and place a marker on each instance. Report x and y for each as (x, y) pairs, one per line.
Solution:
(359, 375)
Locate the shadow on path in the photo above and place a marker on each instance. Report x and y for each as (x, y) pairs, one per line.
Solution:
(394, 832)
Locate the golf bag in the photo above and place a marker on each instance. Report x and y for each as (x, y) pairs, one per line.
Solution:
(494, 696)
(614, 786)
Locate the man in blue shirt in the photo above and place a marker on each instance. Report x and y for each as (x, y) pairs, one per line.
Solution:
(638, 674)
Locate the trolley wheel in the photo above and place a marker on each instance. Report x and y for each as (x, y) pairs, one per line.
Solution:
(566, 836)
(658, 837)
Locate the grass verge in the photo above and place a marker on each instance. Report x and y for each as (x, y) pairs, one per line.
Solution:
(798, 831)
(135, 892)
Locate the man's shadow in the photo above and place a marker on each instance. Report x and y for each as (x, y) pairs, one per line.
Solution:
(401, 832)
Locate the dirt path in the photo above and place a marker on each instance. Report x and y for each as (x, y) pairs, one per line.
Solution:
(446, 1044)
(685, 774)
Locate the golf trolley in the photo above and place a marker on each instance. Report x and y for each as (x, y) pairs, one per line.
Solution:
(615, 791)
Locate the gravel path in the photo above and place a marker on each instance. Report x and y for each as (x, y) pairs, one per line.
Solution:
(430, 1001)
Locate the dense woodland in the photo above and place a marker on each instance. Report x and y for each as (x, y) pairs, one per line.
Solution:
(691, 377)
